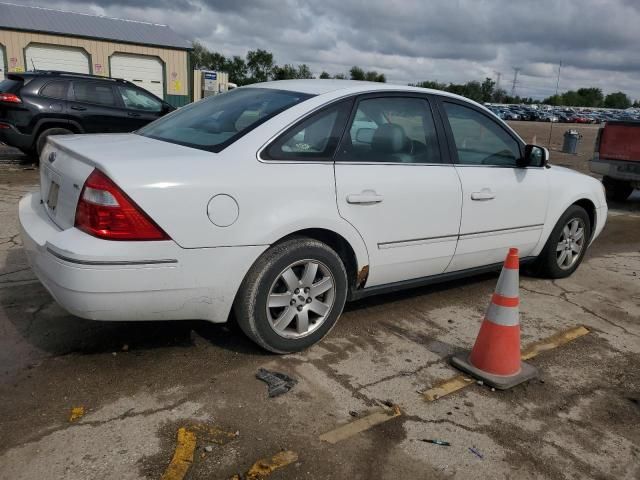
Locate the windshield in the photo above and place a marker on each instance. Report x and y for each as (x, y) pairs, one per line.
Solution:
(218, 121)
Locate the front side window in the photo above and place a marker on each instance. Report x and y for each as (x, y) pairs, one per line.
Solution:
(316, 138)
(216, 122)
(391, 130)
(92, 92)
(138, 100)
(479, 139)
(55, 90)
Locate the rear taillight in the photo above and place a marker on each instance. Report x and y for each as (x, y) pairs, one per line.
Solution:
(105, 211)
(9, 98)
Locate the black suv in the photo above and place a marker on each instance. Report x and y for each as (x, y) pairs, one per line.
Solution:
(37, 104)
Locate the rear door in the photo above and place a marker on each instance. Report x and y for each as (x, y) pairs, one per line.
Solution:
(503, 205)
(395, 184)
(140, 107)
(95, 105)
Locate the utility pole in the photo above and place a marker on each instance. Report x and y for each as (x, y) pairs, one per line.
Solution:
(556, 96)
(515, 81)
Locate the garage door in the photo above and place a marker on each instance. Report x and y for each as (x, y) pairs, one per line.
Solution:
(146, 72)
(52, 57)
(2, 64)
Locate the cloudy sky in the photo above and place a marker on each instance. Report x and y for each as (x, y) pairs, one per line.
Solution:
(597, 41)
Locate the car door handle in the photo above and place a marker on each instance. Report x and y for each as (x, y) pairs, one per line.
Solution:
(366, 197)
(484, 194)
(78, 107)
(133, 114)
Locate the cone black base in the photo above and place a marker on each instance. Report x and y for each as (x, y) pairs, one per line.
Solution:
(527, 372)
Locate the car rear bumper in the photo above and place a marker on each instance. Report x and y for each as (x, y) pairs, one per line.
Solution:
(108, 280)
(12, 137)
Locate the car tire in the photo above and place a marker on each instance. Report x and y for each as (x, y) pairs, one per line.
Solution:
(267, 297)
(42, 138)
(617, 190)
(554, 262)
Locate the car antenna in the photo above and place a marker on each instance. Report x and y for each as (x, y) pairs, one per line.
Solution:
(33, 65)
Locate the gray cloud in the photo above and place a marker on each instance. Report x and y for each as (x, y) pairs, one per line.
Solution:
(412, 40)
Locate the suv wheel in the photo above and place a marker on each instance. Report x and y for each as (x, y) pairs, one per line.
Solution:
(617, 190)
(292, 296)
(566, 245)
(42, 138)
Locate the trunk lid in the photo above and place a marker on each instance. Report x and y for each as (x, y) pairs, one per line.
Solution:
(62, 175)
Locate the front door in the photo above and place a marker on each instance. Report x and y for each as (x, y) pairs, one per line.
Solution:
(503, 205)
(140, 108)
(395, 184)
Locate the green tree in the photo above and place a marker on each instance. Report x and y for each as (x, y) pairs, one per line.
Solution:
(260, 64)
(304, 71)
(357, 73)
(486, 89)
(340, 76)
(236, 67)
(324, 75)
(591, 97)
(430, 84)
(617, 100)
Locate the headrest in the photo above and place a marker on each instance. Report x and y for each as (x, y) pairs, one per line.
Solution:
(390, 138)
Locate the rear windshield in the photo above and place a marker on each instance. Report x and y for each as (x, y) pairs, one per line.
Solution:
(216, 122)
(11, 86)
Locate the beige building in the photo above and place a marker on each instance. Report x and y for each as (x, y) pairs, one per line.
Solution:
(149, 55)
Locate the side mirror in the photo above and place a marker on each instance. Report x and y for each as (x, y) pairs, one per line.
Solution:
(166, 108)
(534, 156)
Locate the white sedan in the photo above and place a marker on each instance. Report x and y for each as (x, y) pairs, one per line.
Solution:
(280, 201)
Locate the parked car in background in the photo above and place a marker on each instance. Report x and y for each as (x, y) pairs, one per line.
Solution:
(328, 190)
(617, 158)
(36, 105)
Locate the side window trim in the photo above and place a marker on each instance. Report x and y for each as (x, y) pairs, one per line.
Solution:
(262, 153)
(453, 150)
(71, 95)
(432, 104)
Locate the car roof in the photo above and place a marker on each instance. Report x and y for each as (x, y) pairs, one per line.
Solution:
(345, 87)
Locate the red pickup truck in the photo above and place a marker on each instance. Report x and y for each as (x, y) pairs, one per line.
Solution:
(617, 158)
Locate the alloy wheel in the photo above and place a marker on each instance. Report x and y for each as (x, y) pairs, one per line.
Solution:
(571, 243)
(300, 299)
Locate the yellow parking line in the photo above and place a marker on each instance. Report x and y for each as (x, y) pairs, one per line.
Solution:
(553, 341)
(182, 457)
(461, 381)
(360, 425)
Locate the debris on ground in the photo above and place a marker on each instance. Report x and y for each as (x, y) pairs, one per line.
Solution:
(354, 414)
(208, 449)
(266, 466)
(435, 441)
(278, 383)
(76, 413)
(476, 452)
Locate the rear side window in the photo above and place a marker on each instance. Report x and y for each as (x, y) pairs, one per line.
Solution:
(391, 130)
(315, 138)
(55, 90)
(10, 86)
(216, 122)
(93, 92)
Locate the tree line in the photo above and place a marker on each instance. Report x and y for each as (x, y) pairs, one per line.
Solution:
(260, 66)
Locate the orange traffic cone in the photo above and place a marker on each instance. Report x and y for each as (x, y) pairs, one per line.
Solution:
(495, 357)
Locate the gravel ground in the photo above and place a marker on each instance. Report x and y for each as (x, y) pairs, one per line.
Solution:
(140, 382)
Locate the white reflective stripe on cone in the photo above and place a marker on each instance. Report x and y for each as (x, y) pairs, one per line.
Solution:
(508, 283)
(505, 316)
